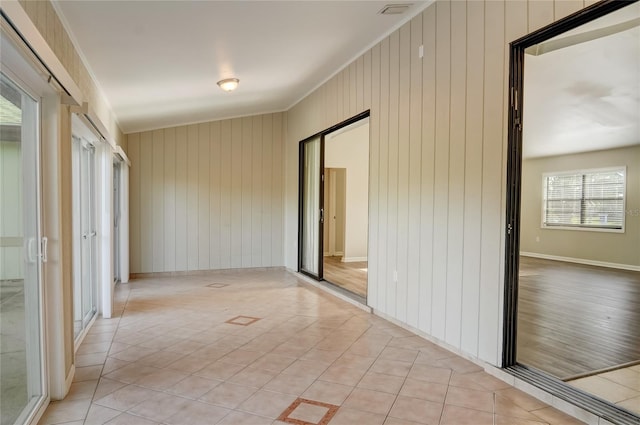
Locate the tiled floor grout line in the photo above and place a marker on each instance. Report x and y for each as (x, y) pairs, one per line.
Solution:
(317, 339)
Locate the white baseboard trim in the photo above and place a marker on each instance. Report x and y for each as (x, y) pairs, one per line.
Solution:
(353, 259)
(69, 379)
(582, 261)
(335, 254)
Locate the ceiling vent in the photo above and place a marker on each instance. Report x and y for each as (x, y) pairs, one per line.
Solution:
(395, 9)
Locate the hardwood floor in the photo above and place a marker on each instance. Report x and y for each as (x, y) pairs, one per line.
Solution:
(575, 319)
(349, 276)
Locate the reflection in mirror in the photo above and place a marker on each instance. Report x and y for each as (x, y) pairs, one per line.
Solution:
(579, 283)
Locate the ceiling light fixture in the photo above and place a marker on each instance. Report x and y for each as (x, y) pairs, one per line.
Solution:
(228, 84)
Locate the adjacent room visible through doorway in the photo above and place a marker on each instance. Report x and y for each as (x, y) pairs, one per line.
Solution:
(334, 206)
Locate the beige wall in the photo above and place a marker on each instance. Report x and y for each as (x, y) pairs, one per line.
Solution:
(438, 142)
(618, 248)
(207, 196)
(46, 20)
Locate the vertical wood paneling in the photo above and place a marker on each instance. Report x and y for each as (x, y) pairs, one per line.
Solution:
(366, 81)
(415, 153)
(540, 13)
(492, 188)
(236, 193)
(392, 156)
(340, 97)
(192, 197)
(437, 163)
(247, 172)
(359, 84)
(332, 100)
(428, 168)
(134, 202)
(215, 211)
(563, 8)
(457, 142)
(346, 99)
(157, 187)
(257, 191)
(182, 186)
(441, 183)
(353, 89)
(374, 260)
(268, 192)
(516, 22)
(277, 217)
(473, 177)
(404, 99)
(383, 181)
(225, 195)
(203, 196)
(146, 202)
(170, 199)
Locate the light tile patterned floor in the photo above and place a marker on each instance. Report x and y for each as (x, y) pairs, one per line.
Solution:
(620, 386)
(184, 351)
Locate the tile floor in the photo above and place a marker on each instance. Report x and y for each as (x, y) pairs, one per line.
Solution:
(259, 347)
(620, 386)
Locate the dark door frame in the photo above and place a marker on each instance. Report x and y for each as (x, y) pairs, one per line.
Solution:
(512, 235)
(322, 135)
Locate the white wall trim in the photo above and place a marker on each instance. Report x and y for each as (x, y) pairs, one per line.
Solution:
(353, 259)
(335, 254)
(69, 379)
(582, 261)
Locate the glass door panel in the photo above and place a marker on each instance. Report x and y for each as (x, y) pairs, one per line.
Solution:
(21, 357)
(311, 215)
(85, 290)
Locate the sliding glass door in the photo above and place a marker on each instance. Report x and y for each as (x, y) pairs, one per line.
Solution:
(85, 282)
(22, 251)
(311, 213)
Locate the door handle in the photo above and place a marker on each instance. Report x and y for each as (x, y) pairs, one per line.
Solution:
(30, 255)
(45, 245)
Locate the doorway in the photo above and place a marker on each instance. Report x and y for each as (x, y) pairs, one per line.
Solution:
(117, 212)
(85, 276)
(573, 265)
(22, 252)
(334, 206)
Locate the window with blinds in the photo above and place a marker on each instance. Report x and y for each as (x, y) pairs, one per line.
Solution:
(592, 199)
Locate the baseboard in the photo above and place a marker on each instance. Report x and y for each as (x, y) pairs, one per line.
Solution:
(69, 379)
(143, 275)
(335, 254)
(353, 259)
(582, 261)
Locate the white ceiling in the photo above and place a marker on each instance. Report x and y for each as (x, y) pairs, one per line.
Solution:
(158, 62)
(584, 97)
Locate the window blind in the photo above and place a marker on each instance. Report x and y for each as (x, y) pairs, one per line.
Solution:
(589, 198)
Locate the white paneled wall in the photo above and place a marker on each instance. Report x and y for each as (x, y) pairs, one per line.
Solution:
(437, 163)
(208, 196)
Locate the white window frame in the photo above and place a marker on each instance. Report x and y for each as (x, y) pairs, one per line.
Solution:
(543, 225)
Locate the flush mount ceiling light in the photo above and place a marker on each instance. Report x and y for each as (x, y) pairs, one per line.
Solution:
(228, 84)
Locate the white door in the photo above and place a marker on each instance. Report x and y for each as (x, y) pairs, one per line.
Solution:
(22, 251)
(85, 295)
